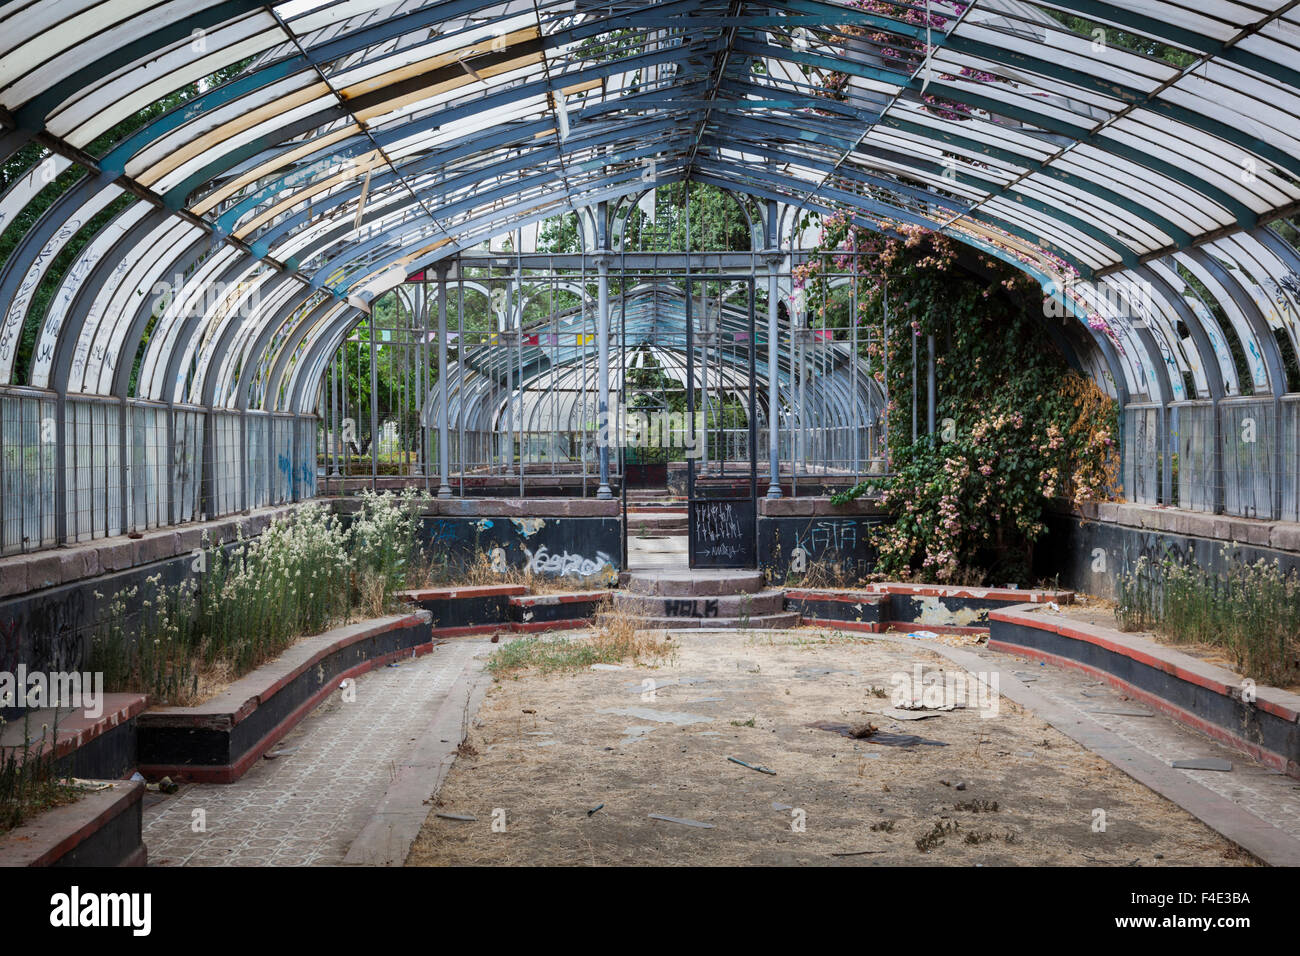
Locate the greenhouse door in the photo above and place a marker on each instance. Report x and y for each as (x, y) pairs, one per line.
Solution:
(722, 459)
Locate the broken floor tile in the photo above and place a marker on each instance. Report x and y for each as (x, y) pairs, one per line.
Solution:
(1203, 763)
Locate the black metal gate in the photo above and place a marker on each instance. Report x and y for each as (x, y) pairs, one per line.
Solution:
(722, 493)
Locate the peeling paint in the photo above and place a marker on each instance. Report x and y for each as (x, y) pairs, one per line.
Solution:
(934, 612)
(528, 527)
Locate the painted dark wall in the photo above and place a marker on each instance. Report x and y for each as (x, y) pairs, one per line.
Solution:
(722, 533)
(841, 543)
(1073, 553)
(117, 841)
(51, 630)
(574, 547)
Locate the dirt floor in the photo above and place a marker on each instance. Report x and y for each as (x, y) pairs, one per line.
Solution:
(1006, 790)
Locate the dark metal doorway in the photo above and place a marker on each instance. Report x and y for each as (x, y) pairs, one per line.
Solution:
(722, 471)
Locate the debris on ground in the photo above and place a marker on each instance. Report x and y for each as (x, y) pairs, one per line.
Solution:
(682, 821)
(550, 789)
(458, 817)
(752, 766)
(872, 735)
(1203, 763)
(913, 714)
(165, 785)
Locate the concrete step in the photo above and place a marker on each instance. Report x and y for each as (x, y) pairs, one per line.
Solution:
(655, 524)
(699, 582)
(780, 621)
(655, 560)
(705, 608)
(659, 544)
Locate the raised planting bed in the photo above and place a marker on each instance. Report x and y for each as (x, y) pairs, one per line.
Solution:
(947, 609)
(102, 828)
(462, 611)
(856, 610)
(1203, 696)
(458, 611)
(957, 609)
(218, 741)
(548, 612)
(101, 747)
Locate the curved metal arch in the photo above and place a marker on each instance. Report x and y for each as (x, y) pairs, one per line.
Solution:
(1034, 223)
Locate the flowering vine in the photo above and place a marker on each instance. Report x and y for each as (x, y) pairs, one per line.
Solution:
(1017, 426)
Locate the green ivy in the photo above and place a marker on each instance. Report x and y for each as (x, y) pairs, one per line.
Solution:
(1016, 425)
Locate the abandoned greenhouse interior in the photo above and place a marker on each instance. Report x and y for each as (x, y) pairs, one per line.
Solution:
(650, 432)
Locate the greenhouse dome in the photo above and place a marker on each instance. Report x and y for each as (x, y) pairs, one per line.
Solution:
(963, 299)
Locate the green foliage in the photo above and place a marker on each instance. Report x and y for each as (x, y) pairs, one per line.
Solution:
(1133, 42)
(1017, 426)
(717, 221)
(560, 235)
(30, 780)
(30, 157)
(1252, 611)
(247, 603)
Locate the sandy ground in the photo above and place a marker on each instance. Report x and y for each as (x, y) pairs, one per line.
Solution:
(1006, 790)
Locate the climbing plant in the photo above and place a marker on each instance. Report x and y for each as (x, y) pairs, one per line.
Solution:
(1015, 425)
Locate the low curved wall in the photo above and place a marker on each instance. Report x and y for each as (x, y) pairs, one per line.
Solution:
(218, 741)
(102, 828)
(1201, 695)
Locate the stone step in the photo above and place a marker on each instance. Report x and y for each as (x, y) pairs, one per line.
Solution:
(704, 608)
(659, 544)
(657, 534)
(641, 519)
(785, 619)
(685, 582)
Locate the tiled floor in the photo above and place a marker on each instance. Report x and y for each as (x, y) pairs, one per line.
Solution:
(1268, 794)
(307, 807)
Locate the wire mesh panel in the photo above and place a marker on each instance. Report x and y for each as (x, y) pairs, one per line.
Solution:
(1194, 431)
(27, 462)
(150, 489)
(259, 479)
(1249, 436)
(281, 461)
(92, 469)
(304, 456)
(1290, 437)
(1142, 453)
(228, 457)
(187, 463)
